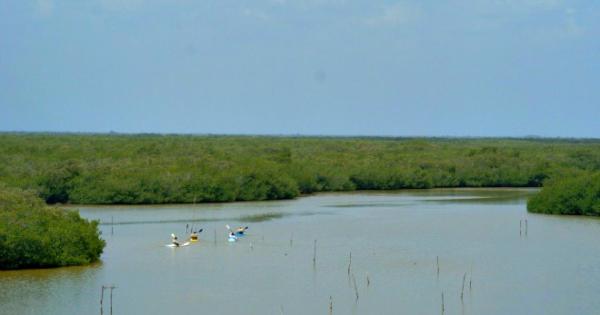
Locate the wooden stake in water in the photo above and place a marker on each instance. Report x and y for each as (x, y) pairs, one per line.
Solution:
(102, 299)
(437, 262)
(315, 253)
(368, 280)
(443, 307)
(526, 227)
(292, 239)
(112, 224)
(215, 230)
(470, 278)
(355, 287)
(462, 291)
(520, 227)
(349, 263)
(111, 291)
(330, 305)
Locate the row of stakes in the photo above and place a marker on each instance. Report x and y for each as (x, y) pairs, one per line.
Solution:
(523, 230)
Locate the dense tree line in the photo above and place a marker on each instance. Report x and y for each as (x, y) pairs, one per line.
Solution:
(134, 169)
(576, 194)
(33, 234)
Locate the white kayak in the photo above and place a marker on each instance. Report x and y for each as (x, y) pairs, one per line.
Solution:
(173, 245)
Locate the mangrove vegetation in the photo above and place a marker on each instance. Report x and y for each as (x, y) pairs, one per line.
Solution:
(151, 169)
(576, 194)
(33, 234)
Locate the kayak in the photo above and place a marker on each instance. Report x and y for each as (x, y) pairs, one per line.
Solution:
(232, 239)
(173, 245)
(240, 233)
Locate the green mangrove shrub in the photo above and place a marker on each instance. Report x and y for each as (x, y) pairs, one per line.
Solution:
(153, 169)
(576, 194)
(34, 235)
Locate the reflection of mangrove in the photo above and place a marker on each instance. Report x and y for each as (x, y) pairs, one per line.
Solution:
(260, 217)
(372, 205)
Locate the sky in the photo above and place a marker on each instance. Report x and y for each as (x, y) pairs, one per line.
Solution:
(302, 67)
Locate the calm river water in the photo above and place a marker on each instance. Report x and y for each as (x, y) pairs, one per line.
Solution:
(395, 239)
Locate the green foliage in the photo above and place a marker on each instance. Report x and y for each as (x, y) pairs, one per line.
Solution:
(35, 235)
(143, 169)
(577, 194)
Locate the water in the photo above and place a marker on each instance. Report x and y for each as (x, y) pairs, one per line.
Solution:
(394, 238)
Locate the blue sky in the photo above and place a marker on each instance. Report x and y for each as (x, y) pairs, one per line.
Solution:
(334, 67)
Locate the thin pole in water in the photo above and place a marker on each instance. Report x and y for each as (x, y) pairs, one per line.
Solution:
(101, 300)
(292, 239)
(112, 224)
(462, 291)
(471, 278)
(520, 227)
(330, 305)
(111, 291)
(315, 254)
(355, 287)
(526, 227)
(437, 261)
(349, 263)
(443, 308)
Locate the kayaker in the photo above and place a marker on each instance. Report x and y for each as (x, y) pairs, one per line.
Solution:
(194, 236)
(241, 230)
(174, 240)
(232, 237)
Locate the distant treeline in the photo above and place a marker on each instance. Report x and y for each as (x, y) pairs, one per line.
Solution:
(33, 234)
(145, 169)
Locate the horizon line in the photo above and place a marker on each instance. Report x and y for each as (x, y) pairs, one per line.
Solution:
(290, 135)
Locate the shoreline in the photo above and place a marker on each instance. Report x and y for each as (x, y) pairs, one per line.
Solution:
(394, 191)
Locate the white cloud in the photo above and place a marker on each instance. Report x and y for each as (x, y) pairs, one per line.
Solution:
(307, 4)
(120, 5)
(255, 13)
(540, 4)
(44, 7)
(571, 27)
(394, 15)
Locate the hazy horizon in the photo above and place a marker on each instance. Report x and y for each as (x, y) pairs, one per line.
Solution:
(489, 68)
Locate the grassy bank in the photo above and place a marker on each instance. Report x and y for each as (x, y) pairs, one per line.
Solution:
(145, 169)
(34, 235)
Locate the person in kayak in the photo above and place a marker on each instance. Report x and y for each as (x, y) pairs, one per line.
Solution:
(174, 240)
(240, 230)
